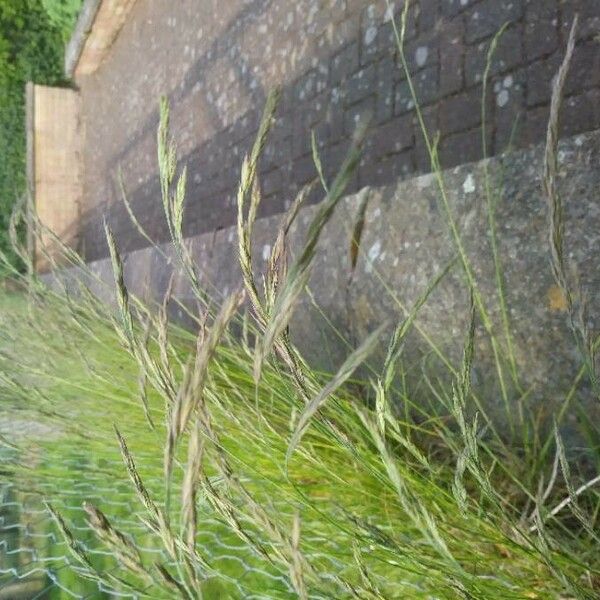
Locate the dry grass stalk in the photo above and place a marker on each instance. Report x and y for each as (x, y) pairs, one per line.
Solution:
(171, 582)
(163, 330)
(140, 488)
(577, 317)
(357, 231)
(174, 199)
(551, 167)
(227, 509)
(574, 494)
(143, 378)
(352, 362)
(370, 588)
(189, 488)
(396, 343)
(277, 261)
(159, 374)
(123, 547)
(132, 217)
(299, 272)
(248, 200)
(86, 568)
(296, 572)
(469, 458)
(75, 548)
(211, 340)
(190, 394)
(317, 161)
(126, 329)
(158, 523)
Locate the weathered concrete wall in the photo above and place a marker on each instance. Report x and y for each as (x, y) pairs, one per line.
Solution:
(336, 61)
(406, 243)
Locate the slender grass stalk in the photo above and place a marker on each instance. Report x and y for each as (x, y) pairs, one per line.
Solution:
(449, 217)
(491, 200)
(577, 318)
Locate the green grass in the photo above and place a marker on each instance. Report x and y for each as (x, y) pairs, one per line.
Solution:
(220, 465)
(381, 503)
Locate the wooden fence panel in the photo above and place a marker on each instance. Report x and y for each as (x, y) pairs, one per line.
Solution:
(55, 164)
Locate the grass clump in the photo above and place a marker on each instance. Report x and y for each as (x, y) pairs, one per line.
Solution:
(368, 504)
(214, 462)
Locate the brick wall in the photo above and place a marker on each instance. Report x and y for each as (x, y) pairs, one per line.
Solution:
(336, 62)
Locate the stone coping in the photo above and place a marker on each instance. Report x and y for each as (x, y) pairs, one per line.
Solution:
(98, 25)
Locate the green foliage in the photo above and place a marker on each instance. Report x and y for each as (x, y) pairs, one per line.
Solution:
(63, 14)
(32, 37)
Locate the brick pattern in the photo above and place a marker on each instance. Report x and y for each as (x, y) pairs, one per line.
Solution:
(354, 73)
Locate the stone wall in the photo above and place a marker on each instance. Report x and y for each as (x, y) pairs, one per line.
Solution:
(405, 243)
(336, 62)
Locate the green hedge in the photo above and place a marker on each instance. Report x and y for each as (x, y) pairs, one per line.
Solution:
(32, 39)
(62, 14)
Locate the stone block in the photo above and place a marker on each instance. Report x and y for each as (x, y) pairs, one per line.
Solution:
(360, 84)
(507, 55)
(541, 28)
(485, 18)
(461, 112)
(426, 85)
